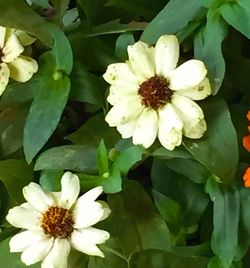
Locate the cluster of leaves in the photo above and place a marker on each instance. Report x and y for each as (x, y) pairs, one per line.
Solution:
(185, 208)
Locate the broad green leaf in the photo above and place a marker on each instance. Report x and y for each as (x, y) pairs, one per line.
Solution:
(179, 152)
(176, 186)
(93, 131)
(87, 87)
(135, 222)
(50, 180)
(215, 262)
(218, 143)
(236, 13)
(44, 115)
(155, 258)
(226, 215)
(42, 3)
(15, 174)
(12, 260)
(68, 157)
(212, 4)
(12, 121)
(207, 47)
(122, 43)
(174, 17)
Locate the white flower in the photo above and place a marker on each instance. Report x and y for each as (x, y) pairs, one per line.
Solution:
(55, 221)
(152, 97)
(12, 64)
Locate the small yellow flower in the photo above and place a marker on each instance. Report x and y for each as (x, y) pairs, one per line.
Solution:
(12, 64)
(152, 97)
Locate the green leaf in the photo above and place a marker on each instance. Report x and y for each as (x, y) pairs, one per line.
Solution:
(15, 174)
(155, 258)
(50, 180)
(44, 115)
(236, 13)
(11, 260)
(102, 159)
(226, 215)
(122, 43)
(174, 17)
(189, 195)
(207, 47)
(95, 125)
(71, 157)
(12, 121)
(218, 142)
(86, 87)
(42, 3)
(134, 213)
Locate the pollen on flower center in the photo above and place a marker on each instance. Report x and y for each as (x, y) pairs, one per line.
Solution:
(57, 222)
(155, 92)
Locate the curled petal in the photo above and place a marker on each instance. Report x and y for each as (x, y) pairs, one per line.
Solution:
(12, 49)
(4, 76)
(187, 75)
(166, 54)
(2, 36)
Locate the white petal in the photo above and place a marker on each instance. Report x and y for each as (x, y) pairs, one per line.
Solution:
(58, 255)
(85, 240)
(141, 60)
(191, 115)
(70, 189)
(120, 74)
(91, 195)
(170, 127)
(37, 252)
(12, 49)
(199, 92)
(166, 54)
(106, 210)
(23, 240)
(118, 94)
(2, 36)
(4, 77)
(22, 68)
(124, 111)
(146, 128)
(189, 74)
(87, 213)
(127, 129)
(21, 217)
(37, 198)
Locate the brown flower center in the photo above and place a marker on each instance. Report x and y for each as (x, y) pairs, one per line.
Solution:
(155, 92)
(1, 55)
(57, 222)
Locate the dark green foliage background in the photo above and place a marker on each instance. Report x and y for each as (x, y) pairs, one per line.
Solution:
(170, 209)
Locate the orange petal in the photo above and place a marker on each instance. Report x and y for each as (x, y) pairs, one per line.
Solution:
(246, 142)
(246, 177)
(248, 115)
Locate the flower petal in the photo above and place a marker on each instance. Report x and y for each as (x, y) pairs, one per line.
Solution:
(91, 195)
(124, 111)
(191, 115)
(2, 36)
(120, 74)
(37, 198)
(166, 54)
(106, 210)
(58, 255)
(4, 77)
(12, 49)
(146, 128)
(37, 252)
(189, 74)
(70, 189)
(87, 213)
(118, 94)
(85, 240)
(23, 240)
(170, 127)
(199, 92)
(22, 68)
(127, 129)
(21, 217)
(141, 60)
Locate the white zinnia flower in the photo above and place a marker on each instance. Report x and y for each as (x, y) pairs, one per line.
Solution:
(152, 97)
(12, 63)
(54, 221)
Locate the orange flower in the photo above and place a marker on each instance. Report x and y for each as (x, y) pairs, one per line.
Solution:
(246, 142)
(246, 178)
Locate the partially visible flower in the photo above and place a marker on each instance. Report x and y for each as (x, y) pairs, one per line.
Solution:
(152, 97)
(246, 144)
(55, 221)
(12, 64)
